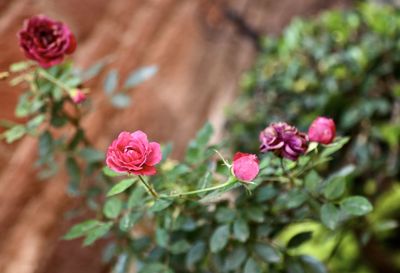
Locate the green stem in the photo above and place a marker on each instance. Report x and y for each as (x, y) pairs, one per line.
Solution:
(148, 187)
(287, 173)
(231, 181)
(52, 79)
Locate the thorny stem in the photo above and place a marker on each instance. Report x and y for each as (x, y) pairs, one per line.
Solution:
(231, 181)
(287, 173)
(148, 187)
(52, 79)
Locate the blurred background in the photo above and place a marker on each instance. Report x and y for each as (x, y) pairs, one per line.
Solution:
(201, 48)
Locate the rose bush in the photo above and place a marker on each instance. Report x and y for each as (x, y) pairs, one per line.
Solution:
(46, 41)
(342, 64)
(203, 218)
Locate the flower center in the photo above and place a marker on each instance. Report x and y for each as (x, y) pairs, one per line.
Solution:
(46, 36)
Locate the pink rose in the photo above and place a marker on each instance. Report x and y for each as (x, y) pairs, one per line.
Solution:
(46, 41)
(132, 153)
(322, 130)
(245, 166)
(77, 96)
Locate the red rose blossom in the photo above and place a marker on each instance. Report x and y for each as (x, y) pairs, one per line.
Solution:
(132, 153)
(322, 130)
(46, 41)
(245, 166)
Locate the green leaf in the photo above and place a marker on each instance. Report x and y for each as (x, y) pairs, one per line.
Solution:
(312, 146)
(155, 268)
(255, 214)
(96, 233)
(252, 266)
(160, 204)
(195, 254)
(140, 75)
(330, 215)
(14, 133)
(112, 208)
(24, 106)
(81, 229)
(196, 147)
(122, 264)
(35, 122)
(179, 247)
(299, 239)
(136, 197)
(203, 136)
(235, 258)
(92, 155)
(312, 181)
(73, 82)
(356, 205)
(93, 70)
(241, 230)
(296, 198)
(45, 144)
(334, 188)
(294, 266)
(219, 238)
(74, 173)
(225, 215)
(267, 253)
(109, 252)
(129, 220)
(121, 186)
(111, 82)
(265, 193)
(121, 101)
(162, 237)
(20, 66)
(312, 265)
(335, 146)
(108, 172)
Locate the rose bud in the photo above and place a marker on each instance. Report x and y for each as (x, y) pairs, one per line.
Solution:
(245, 166)
(322, 130)
(46, 41)
(77, 96)
(284, 140)
(132, 153)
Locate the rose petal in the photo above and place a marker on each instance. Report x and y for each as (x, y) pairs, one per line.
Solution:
(147, 170)
(155, 155)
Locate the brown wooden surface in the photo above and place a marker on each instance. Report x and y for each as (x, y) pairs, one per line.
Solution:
(200, 56)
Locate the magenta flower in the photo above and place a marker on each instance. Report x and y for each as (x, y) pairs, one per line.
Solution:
(132, 153)
(245, 166)
(322, 130)
(77, 96)
(284, 140)
(46, 41)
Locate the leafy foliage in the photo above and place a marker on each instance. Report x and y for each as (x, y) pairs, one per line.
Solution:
(344, 65)
(225, 229)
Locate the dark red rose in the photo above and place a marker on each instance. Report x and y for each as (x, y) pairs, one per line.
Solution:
(46, 41)
(284, 140)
